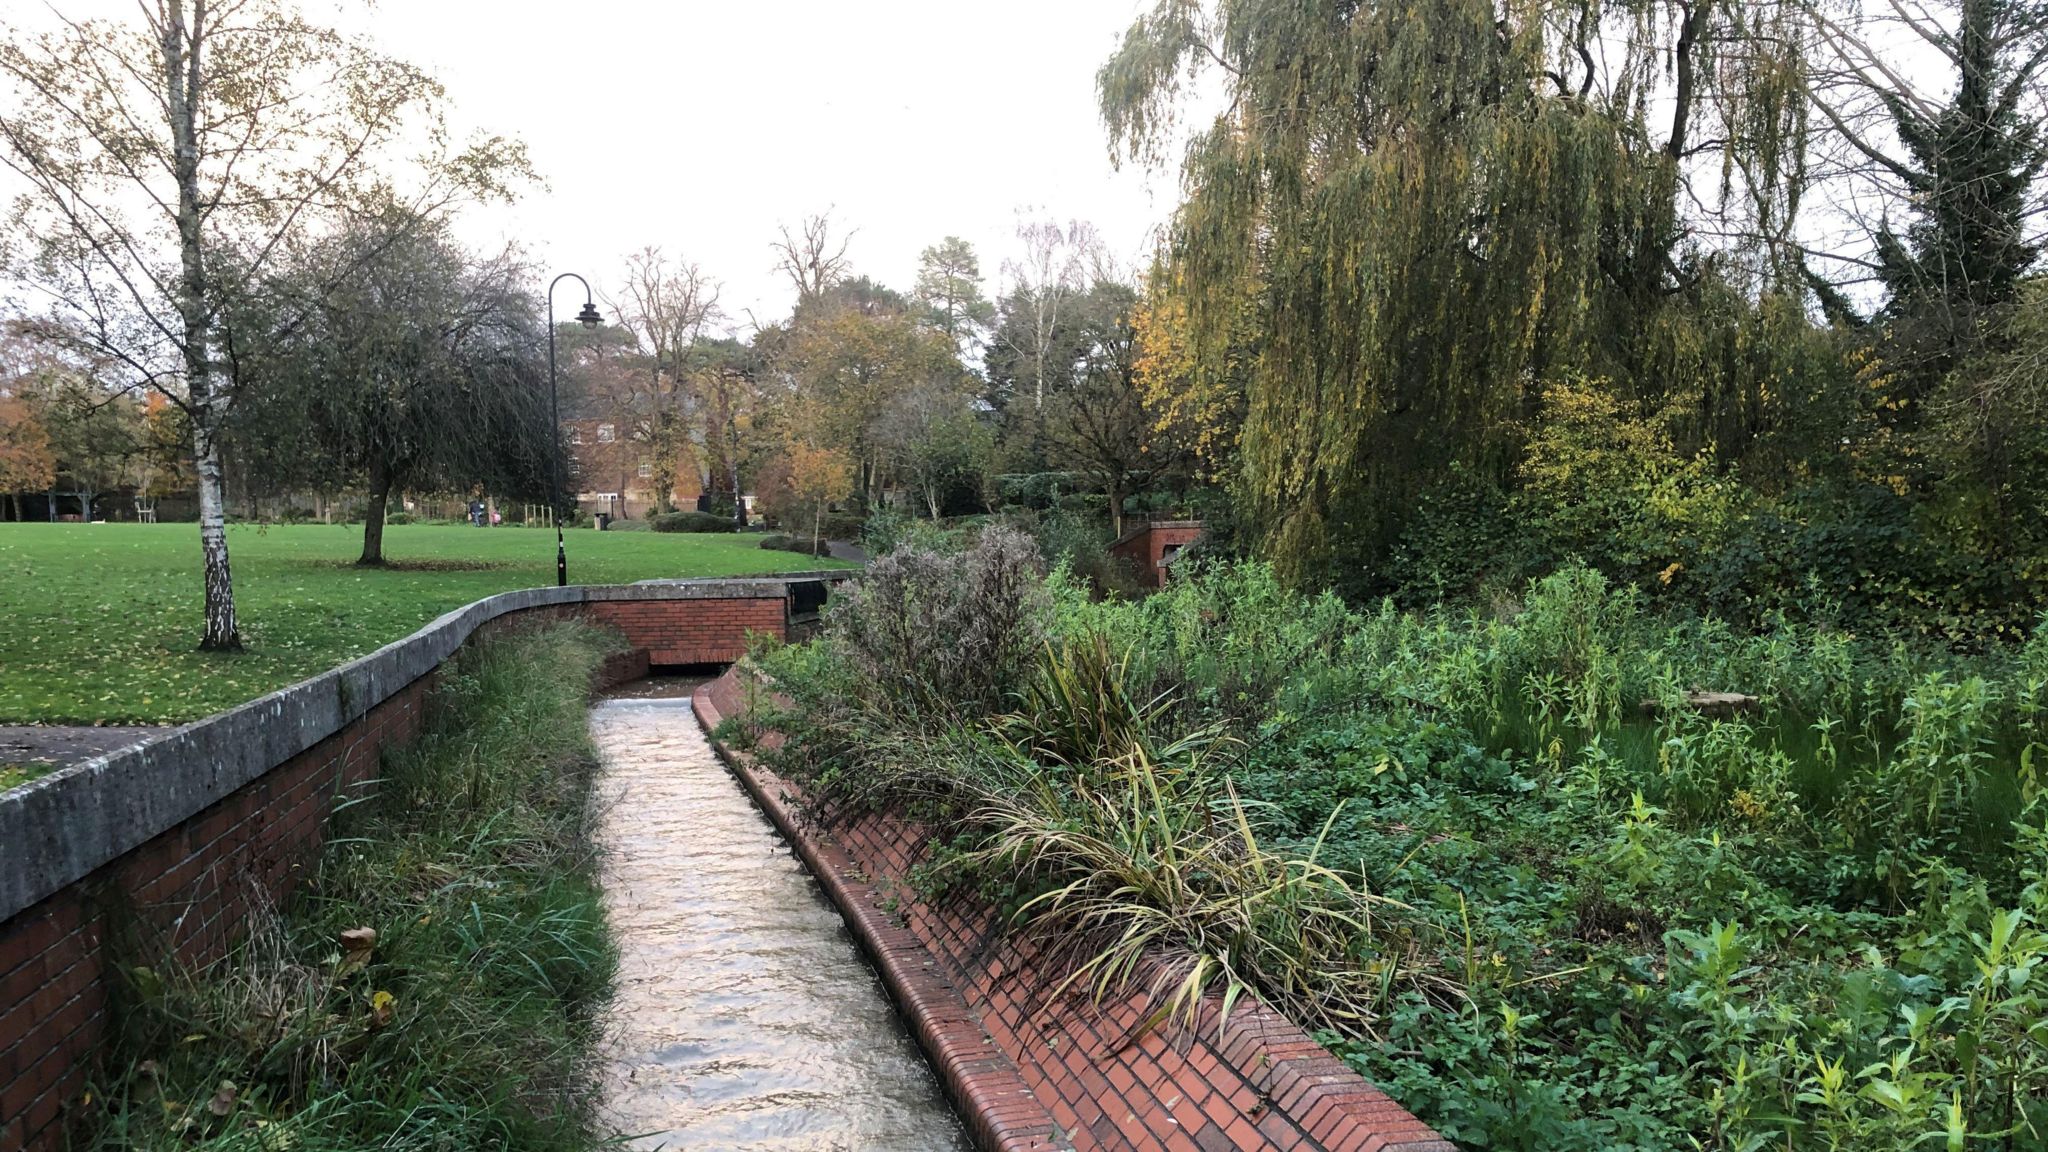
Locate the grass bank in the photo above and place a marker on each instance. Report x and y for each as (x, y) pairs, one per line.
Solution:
(102, 620)
(436, 983)
(1540, 914)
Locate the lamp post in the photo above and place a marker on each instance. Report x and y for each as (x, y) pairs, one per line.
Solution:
(589, 318)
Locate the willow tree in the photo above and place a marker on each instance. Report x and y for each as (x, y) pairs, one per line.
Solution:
(1444, 207)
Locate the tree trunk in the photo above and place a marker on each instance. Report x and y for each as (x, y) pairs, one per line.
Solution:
(373, 517)
(221, 634)
(182, 76)
(817, 520)
(732, 466)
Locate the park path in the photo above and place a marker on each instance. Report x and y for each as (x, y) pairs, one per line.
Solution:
(745, 1017)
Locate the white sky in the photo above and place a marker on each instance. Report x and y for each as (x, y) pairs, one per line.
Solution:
(700, 125)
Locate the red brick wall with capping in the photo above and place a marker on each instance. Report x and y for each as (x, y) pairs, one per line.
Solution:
(185, 892)
(1032, 1073)
(1147, 546)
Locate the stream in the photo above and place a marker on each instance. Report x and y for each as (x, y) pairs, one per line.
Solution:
(746, 1017)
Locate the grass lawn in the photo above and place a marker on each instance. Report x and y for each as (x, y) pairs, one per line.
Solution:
(99, 622)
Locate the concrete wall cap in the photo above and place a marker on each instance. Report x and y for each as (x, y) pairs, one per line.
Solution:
(59, 828)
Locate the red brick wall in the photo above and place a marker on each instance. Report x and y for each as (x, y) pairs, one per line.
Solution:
(1145, 547)
(185, 891)
(182, 894)
(1258, 1082)
(691, 631)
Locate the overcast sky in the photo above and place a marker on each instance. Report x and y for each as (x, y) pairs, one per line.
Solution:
(700, 125)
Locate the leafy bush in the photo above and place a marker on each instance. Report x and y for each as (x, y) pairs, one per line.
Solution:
(843, 526)
(398, 518)
(802, 545)
(886, 528)
(1815, 924)
(943, 631)
(1079, 542)
(693, 522)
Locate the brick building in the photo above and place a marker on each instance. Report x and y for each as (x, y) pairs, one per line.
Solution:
(618, 472)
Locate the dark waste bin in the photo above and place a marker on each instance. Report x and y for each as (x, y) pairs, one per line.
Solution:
(604, 521)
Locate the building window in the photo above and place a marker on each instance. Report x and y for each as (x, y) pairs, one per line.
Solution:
(606, 434)
(646, 469)
(575, 436)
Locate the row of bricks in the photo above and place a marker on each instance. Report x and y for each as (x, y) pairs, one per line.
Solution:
(1185, 1097)
(722, 619)
(983, 1083)
(891, 848)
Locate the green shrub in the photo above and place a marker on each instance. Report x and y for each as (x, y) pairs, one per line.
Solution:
(398, 518)
(693, 522)
(886, 528)
(801, 545)
(1814, 925)
(933, 630)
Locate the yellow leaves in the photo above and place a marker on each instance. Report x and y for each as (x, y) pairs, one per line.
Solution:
(275, 1137)
(1187, 395)
(382, 1005)
(819, 475)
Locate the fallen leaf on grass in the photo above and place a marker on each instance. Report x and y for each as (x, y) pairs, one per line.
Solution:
(223, 1100)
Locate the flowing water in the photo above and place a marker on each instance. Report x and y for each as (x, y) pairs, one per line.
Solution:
(745, 1017)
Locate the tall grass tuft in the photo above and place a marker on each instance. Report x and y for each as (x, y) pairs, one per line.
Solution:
(1121, 845)
(436, 983)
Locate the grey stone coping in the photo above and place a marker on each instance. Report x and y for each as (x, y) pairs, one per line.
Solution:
(59, 828)
(826, 574)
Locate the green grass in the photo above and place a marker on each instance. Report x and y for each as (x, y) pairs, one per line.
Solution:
(471, 1020)
(101, 621)
(16, 774)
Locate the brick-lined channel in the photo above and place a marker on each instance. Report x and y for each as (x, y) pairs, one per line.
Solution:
(745, 1017)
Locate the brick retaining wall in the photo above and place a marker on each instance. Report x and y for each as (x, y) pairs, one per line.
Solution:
(1030, 1075)
(160, 850)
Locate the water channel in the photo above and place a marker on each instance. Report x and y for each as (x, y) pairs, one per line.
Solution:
(746, 1019)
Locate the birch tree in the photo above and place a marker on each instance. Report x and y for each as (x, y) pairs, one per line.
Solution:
(170, 160)
(1053, 269)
